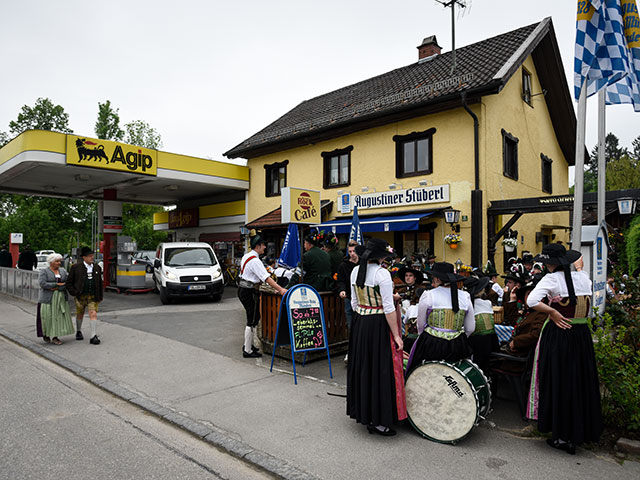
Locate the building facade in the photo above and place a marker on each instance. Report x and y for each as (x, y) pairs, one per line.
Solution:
(410, 143)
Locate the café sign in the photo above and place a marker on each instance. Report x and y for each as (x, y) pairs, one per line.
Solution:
(394, 198)
(105, 154)
(300, 205)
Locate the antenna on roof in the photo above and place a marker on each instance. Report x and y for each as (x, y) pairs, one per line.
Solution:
(452, 4)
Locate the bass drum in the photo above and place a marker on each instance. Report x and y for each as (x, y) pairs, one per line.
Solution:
(445, 401)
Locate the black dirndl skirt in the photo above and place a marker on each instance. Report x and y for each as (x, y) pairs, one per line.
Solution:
(482, 346)
(371, 391)
(569, 391)
(431, 348)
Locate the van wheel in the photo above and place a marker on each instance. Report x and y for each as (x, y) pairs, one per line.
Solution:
(164, 296)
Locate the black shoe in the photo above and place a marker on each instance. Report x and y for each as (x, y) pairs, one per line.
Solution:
(387, 432)
(79, 335)
(251, 355)
(568, 447)
(94, 340)
(254, 349)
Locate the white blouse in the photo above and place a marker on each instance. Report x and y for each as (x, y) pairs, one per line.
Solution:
(482, 306)
(553, 285)
(440, 297)
(376, 275)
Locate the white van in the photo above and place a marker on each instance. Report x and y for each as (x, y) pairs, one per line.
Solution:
(187, 269)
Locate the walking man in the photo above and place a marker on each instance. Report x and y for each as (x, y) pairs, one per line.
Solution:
(85, 283)
(252, 274)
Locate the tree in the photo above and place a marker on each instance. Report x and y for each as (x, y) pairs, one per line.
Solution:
(622, 174)
(108, 123)
(138, 224)
(44, 115)
(142, 134)
(636, 149)
(4, 139)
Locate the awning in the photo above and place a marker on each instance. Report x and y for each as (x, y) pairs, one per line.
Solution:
(220, 237)
(390, 223)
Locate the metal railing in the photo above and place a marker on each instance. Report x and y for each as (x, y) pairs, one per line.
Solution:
(20, 283)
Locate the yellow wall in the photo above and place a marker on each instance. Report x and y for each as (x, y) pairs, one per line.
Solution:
(373, 164)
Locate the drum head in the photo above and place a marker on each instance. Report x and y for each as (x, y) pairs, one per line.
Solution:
(441, 402)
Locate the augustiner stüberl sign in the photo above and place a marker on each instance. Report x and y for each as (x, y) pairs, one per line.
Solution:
(90, 152)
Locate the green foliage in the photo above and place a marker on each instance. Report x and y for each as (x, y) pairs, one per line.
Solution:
(108, 123)
(633, 244)
(623, 173)
(44, 115)
(47, 223)
(4, 139)
(138, 224)
(618, 364)
(142, 134)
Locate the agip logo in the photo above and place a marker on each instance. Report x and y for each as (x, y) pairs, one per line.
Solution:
(111, 155)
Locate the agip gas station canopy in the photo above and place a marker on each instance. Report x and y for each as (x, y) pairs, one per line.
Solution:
(67, 165)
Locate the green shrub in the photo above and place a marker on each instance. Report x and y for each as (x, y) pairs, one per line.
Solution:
(618, 361)
(632, 239)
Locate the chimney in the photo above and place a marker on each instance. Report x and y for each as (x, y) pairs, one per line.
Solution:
(429, 48)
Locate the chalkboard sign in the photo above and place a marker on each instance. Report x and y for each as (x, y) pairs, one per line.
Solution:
(301, 324)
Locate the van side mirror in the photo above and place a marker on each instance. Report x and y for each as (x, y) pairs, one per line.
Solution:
(157, 263)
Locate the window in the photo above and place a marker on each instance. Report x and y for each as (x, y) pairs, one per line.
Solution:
(509, 155)
(337, 167)
(276, 178)
(414, 153)
(526, 86)
(547, 184)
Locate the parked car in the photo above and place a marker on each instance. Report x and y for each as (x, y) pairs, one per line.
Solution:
(187, 269)
(42, 261)
(45, 252)
(146, 257)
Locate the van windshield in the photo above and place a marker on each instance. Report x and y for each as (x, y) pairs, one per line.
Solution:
(189, 257)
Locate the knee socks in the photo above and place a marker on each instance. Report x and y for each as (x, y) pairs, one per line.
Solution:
(248, 339)
(94, 327)
(78, 324)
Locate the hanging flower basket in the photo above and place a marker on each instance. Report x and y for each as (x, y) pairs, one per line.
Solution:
(452, 239)
(510, 244)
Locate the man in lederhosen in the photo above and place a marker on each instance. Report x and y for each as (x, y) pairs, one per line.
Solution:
(252, 274)
(85, 283)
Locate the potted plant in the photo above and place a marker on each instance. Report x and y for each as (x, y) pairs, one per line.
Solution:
(452, 239)
(510, 244)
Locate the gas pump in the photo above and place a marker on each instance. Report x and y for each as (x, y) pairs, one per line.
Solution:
(127, 275)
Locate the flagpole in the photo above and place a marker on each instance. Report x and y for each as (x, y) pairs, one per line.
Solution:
(602, 169)
(576, 231)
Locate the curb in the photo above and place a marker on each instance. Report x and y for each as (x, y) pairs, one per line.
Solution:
(208, 433)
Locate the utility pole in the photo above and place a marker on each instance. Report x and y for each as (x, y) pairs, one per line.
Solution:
(452, 4)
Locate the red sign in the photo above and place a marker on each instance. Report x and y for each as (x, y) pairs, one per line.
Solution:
(183, 218)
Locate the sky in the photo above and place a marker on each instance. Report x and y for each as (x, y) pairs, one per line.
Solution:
(209, 74)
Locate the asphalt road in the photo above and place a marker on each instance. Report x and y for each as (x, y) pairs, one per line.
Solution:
(56, 425)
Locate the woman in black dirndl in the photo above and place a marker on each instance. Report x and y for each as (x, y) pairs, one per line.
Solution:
(375, 384)
(565, 393)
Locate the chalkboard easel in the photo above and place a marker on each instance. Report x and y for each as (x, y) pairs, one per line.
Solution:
(306, 330)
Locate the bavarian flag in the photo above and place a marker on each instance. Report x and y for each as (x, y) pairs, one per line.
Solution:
(627, 90)
(601, 53)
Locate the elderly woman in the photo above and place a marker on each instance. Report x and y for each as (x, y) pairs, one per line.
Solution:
(54, 319)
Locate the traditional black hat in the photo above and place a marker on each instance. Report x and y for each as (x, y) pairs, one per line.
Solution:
(376, 248)
(556, 254)
(527, 287)
(86, 251)
(312, 238)
(445, 272)
(527, 257)
(489, 269)
(416, 273)
(517, 273)
(256, 240)
(475, 285)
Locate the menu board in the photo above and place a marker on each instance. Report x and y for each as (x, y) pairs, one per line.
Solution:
(306, 319)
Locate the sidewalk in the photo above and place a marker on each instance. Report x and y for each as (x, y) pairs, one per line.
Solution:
(293, 431)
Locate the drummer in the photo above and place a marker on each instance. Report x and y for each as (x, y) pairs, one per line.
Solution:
(445, 319)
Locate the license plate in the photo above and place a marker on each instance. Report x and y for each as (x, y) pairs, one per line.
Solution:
(197, 287)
